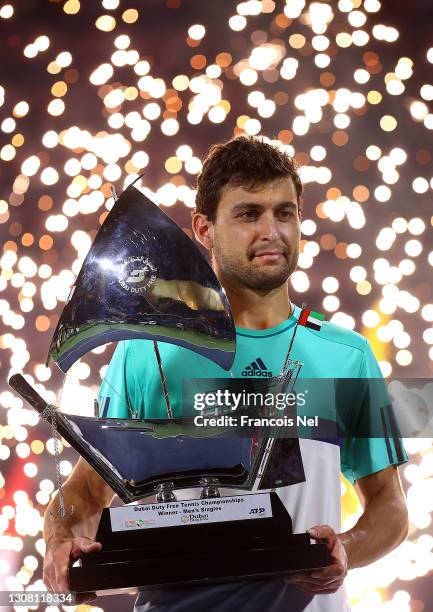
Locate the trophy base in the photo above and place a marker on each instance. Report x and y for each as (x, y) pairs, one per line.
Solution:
(197, 554)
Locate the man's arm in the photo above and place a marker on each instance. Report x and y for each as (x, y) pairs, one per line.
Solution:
(384, 523)
(69, 538)
(382, 526)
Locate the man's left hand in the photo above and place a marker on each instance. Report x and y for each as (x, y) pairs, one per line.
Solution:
(329, 579)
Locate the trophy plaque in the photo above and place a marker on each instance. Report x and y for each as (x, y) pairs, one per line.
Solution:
(144, 278)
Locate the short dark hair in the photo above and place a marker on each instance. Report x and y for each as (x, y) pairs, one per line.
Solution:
(246, 161)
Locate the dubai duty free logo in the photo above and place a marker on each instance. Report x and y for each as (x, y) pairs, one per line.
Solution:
(137, 274)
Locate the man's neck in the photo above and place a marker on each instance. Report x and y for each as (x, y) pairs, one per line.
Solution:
(254, 309)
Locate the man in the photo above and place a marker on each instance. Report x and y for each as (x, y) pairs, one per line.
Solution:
(248, 218)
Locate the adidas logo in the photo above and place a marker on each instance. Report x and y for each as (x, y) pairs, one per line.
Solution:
(257, 368)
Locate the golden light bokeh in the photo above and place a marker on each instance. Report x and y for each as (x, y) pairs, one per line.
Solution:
(330, 83)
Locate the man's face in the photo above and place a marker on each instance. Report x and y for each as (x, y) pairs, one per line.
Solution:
(256, 235)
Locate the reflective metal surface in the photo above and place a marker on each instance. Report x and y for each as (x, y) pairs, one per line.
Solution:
(135, 457)
(144, 278)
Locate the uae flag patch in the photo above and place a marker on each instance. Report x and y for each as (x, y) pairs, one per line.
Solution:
(312, 319)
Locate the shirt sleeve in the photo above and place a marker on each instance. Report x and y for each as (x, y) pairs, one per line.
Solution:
(375, 443)
(119, 395)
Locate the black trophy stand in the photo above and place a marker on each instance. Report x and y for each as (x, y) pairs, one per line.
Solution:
(197, 554)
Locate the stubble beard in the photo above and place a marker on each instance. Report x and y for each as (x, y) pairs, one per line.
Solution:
(244, 273)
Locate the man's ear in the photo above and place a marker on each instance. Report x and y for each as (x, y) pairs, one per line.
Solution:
(203, 230)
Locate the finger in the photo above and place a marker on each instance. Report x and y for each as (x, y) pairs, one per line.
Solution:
(321, 583)
(77, 552)
(86, 542)
(320, 580)
(316, 590)
(336, 569)
(93, 547)
(323, 532)
(82, 546)
(323, 589)
(336, 548)
(313, 584)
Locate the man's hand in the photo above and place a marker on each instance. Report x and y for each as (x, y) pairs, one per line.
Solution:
(60, 553)
(69, 538)
(331, 578)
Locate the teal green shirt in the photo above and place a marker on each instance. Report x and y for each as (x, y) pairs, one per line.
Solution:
(132, 381)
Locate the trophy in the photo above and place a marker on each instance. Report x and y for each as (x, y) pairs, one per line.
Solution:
(144, 278)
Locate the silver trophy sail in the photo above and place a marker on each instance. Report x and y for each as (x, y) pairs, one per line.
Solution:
(144, 278)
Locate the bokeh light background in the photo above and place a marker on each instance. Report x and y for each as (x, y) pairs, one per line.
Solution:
(93, 94)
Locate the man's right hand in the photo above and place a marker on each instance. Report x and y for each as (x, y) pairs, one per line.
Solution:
(59, 555)
(88, 494)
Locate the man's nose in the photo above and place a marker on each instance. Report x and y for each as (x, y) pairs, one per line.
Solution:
(268, 226)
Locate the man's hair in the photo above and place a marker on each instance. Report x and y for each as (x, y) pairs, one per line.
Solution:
(245, 161)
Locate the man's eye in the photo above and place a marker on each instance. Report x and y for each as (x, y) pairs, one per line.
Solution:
(286, 214)
(249, 214)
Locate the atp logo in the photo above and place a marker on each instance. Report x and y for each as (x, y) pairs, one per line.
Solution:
(257, 368)
(137, 274)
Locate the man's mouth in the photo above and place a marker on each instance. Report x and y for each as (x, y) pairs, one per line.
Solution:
(269, 255)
